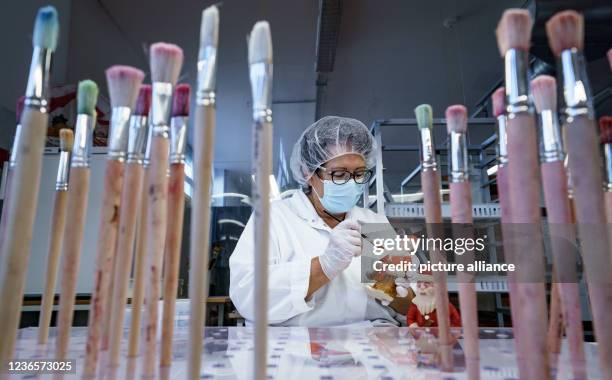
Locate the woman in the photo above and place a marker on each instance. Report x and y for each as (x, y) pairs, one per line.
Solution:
(315, 263)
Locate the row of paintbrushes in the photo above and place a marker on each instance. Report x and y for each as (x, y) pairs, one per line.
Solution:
(142, 143)
(523, 161)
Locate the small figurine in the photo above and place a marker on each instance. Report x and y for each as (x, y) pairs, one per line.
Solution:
(422, 312)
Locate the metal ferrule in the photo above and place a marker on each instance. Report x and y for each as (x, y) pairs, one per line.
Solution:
(608, 155)
(137, 139)
(118, 139)
(13, 158)
(576, 90)
(63, 171)
(178, 139)
(161, 104)
(551, 144)
(428, 153)
(207, 72)
(82, 141)
(502, 140)
(459, 164)
(37, 90)
(516, 66)
(261, 90)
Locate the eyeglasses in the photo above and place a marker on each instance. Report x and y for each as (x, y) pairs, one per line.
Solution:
(340, 177)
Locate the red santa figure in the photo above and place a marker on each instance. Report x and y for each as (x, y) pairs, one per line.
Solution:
(422, 312)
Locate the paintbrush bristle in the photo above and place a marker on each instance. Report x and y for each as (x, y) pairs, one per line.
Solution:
(209, 28)
(456, 118)
(66, 139)
(514, 30)
(46, 28)
(143, 103)
(87, 97)
(499, 101)
(605, 129)
(424, 116)
(544, 91)
(565, 30)
(610, 58)
(260, 43)
(166, 62)
(123, 85)
(19, 108)
(180, 100)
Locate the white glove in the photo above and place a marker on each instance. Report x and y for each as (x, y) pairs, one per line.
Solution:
(344, 244)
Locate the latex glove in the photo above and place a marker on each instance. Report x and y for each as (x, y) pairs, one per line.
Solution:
(344, 244)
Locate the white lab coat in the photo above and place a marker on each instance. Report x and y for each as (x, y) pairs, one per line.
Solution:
(297, 234)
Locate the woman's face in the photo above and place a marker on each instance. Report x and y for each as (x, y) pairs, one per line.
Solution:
(350, 162)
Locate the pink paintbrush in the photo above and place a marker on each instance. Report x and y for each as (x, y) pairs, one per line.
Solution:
(176, 208)
(166, 61)
(565, 32)
(554, 181)
(462, 219)
(513, 37)
(605, 137)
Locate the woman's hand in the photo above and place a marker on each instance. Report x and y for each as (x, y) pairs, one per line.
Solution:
(344, 244)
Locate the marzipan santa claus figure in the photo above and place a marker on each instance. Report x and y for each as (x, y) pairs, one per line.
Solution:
(422, 312)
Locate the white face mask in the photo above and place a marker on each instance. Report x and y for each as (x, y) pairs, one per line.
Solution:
(339, 199)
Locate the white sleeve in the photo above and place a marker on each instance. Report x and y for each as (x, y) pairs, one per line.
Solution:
(287, 280)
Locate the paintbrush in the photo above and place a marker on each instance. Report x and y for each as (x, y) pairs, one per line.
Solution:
(203, 149)
(513, 35)
(78, 190)
(11, 166)
(123, 84)
(499, 110)
(565, 32)
(58, 222)
(462, 219)
(176, 207)
(140, 118)
(605, 138)
(260, 73)
(430, 182)
(131, 198)
(23, 191)
(165, 61)
(609, 55)
(554, 182)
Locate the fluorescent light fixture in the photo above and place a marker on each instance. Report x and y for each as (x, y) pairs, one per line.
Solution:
(231, 221)
(492, 170)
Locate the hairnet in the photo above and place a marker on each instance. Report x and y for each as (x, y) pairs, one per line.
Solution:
(327, 138)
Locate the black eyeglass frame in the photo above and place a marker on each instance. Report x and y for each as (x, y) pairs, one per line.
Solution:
(367, 174)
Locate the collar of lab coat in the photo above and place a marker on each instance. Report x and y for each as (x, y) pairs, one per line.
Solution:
(302, 206)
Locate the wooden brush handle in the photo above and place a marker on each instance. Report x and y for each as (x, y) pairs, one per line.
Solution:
(5, 203)
(204, 137)
(506, 227)
(524, 193)
(71, 255)
(461, 213)
(157, 192)
(17, 239)
(105, 252)
(555, 324)
(262, 167)
(565, 296)
(140, 252)
(174, 235)
(585, 168)
(130, 200)
(58, 222)
(430, 183)
(608, 202)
